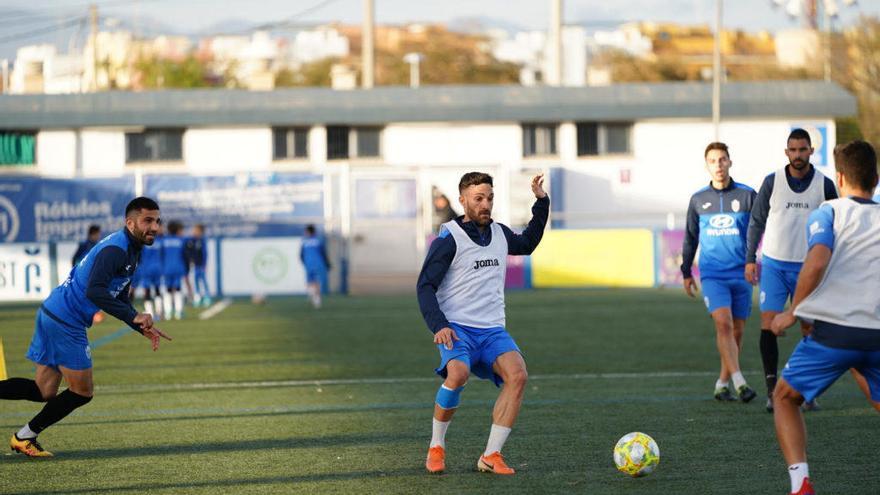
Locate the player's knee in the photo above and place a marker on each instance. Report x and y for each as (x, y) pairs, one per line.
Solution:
(783, 393)
(448, 398)
(456, 374)
(517, 377)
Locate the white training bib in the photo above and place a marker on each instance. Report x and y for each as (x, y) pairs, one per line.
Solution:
(849, 293)
(472, 292)
(785, 237)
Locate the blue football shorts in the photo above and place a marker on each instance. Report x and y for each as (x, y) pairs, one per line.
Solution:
(777, 286)
(733, 293)
(55, 344)
(478, 348)
(813, 367)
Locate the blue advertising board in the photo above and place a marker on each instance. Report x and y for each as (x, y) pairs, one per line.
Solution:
(243, 205)
(35, 209)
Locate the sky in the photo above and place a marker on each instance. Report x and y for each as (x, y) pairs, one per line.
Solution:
(197, 15)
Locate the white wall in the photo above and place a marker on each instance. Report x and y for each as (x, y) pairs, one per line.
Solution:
(452, 144)
(103, 152)
(219, 151)
(56, 153)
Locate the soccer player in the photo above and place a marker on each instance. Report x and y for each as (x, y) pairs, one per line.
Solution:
(717, 219)
(92, 238)
(196, 254)
(836, 297)
(148, 276)
(784, 202)
(60, 346)
(461, 296)
(173, 270)
(313, 254)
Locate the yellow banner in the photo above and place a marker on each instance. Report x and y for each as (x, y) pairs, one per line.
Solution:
(600, 258)
(2, 362)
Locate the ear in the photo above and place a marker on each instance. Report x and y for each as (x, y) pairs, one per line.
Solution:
(461, 201)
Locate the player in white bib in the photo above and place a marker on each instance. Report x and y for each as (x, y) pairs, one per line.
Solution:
(836, 297)
(461, 296)
(780, 212)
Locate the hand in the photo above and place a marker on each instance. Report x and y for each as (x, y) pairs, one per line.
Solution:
(445, 336)
(143, 320)
(154, 334)
(690, 286)
(781, 322)
(752, 273)
(538, 186)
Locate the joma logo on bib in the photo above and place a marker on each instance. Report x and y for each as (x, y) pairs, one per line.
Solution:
(484, 263)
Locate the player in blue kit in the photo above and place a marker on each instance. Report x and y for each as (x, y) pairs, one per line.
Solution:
(148, 276)
(461, 296)
(784, 202)
(60, 346)
(717, 218)
(196, 254)
(173, 270)
(836, 299)
(313, 254)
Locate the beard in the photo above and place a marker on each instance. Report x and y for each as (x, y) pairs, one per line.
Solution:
(798, 164)
(142, 236)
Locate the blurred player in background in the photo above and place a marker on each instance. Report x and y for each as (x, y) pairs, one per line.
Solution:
(461, 296)
(60, 346)
(148, 276)
(313, 254)
(717, 220)
(784, 202)
(173, 270)
(836, 298)
(196, 255)
(92, 238)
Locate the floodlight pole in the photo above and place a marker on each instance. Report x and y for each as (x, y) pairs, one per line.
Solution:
(367, 34)
(716, 74)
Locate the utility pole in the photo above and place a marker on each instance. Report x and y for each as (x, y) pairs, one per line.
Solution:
(554, 78)
(367, 46)
(716, 74)
(93, 24)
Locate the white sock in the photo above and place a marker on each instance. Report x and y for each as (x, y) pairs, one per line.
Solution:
(738, 379)
(719, 384)
(26, 432)
(438, 433)
(178, 305)
(798, 473)
(148, 307)
(497, 437)
(168, 305)
(157, 302)
(318, 299)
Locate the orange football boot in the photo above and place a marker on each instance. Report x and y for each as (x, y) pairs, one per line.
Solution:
(494, 463)
(436, 462)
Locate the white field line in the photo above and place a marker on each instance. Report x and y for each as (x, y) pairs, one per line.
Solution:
(160, 387)
(215, 309)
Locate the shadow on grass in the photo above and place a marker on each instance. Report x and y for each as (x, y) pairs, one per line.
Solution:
(273, 480)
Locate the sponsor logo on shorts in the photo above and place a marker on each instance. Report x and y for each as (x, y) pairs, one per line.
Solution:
(706, 300)
(763, 297)
(88, 352)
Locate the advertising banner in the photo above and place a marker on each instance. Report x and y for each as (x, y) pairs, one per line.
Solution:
(25, 272)
(262, 266)
(243, 205)
(35, 209)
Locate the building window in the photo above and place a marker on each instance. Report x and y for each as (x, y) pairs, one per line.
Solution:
(594, 139)
(154, 145)
(290, 143)
(539, 139)
(353, 142)
(17, 148)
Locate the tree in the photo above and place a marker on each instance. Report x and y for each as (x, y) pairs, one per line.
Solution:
(156, 73)
(861, 74)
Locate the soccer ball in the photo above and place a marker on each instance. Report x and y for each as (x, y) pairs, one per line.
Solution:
(636, 454)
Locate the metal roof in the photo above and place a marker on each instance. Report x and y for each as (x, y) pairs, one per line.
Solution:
(306, 106)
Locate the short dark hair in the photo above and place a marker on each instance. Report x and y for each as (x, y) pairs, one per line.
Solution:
(857, 161)
(174, 227)
(800, 134)
(140, 203)
(310, 229)
(716, 145)
(473, 179)
(94, 229)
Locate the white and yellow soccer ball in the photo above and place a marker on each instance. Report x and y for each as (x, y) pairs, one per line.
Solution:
(636, 454)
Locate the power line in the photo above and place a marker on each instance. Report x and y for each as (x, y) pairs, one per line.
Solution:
(288, 22)
(43, 30)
